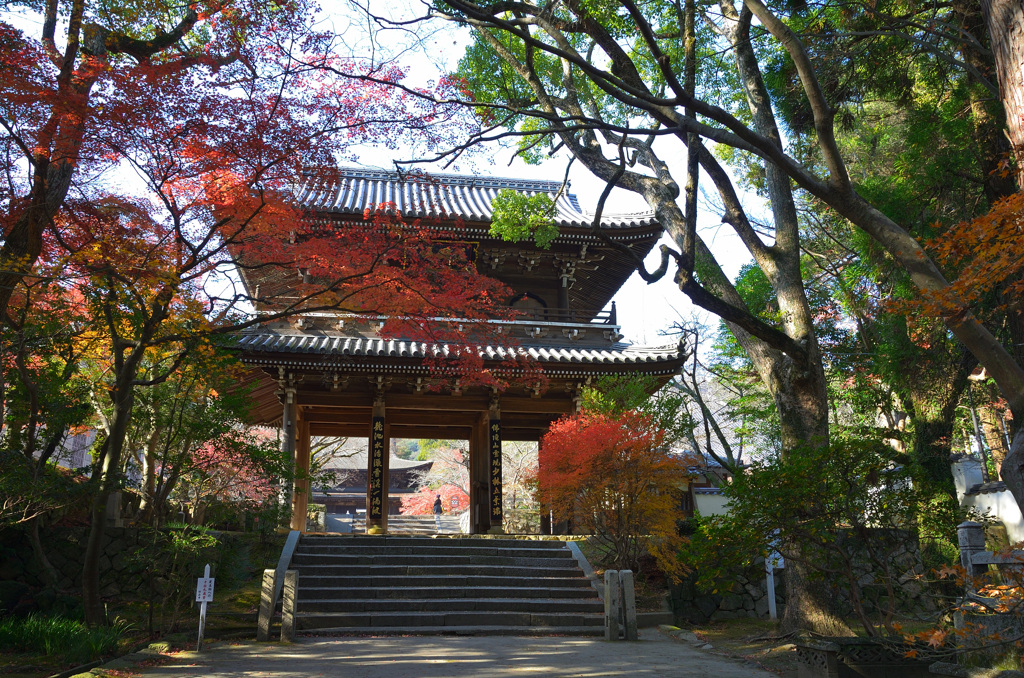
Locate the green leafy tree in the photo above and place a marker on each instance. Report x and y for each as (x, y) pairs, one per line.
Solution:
(517, 217)
(853, 511)
(619, 80)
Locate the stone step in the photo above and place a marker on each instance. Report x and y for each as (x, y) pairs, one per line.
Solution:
(461, 540)
(475, 630)
(436, 560)
(445, 583)
(391, 590)
(413, 619)
(450, 605)
(436, 570)
(422, 525)
(430, 550)
(442, 584)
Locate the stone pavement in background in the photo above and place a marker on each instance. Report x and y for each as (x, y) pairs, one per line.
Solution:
(654, 656)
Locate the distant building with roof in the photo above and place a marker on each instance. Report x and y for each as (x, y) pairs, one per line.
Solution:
(990, 497)
(347, 494)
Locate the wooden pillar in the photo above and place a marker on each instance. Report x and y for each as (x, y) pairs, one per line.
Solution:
(377, 471)
(289, 412)
(300, 495)
(563, 298)
(479, 477)
(494, 470)
(545, 511)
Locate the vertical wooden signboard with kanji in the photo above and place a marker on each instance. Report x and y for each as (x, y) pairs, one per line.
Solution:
(494, 431)
(376, 485)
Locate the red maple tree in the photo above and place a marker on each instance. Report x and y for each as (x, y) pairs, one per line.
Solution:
(211, 106)
(237, 468)
(615, 478)
(453, 499)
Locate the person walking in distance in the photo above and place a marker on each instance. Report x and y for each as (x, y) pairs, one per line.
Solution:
(437, 513)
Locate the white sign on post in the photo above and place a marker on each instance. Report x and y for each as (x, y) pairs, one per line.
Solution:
(773, 562)
(204, 595)
(204, 589)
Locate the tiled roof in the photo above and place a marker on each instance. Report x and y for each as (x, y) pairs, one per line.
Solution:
(352, 191)
(395, 348)
(987, 488)
(357, 460)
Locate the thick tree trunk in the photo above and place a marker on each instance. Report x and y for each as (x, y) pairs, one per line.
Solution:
(931, 450)
(801, 398)
(50, 574)
(148, 462)
(796, 381)
(1004, 20)
(992, 428)
(109, 477)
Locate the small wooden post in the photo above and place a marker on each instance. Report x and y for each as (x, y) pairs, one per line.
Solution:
(204, 595)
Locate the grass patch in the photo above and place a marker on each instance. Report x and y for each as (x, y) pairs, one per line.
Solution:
(753, 640)
(68, 640)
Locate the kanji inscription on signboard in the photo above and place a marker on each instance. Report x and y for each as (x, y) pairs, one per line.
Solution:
(495, 495)
(204, 590)
(377, 452)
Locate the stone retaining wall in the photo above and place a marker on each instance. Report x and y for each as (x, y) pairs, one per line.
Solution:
(65, 549)
(119, 575)
(745, 596)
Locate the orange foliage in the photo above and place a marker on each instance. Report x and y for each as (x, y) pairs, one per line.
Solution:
(614, 476)
(988, 253)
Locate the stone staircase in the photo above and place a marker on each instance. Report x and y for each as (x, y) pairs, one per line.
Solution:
(457, 585)
(422, 525)
(397, 524)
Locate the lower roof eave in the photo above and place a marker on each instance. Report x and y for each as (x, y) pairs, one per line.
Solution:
(669, 367)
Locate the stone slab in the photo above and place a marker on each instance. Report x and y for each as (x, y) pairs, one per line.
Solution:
(655, 655)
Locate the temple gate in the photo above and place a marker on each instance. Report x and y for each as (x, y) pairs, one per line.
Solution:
(324, 374)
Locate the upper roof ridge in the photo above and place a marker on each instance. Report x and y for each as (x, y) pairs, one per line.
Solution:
(450, 179)
(351, 190)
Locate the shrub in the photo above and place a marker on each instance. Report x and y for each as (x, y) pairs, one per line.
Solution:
(848, 512)
(69, 640)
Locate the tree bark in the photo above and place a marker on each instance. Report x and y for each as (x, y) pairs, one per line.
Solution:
(1004, 20)
(110, 471)
(126, 357)
(796, 381)
(992, 429)
(50, 574)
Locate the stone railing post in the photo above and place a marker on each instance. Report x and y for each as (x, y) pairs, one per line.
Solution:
(629, 604)
(266, 605)
(971, 538)
(612, 608)
(289, 601)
